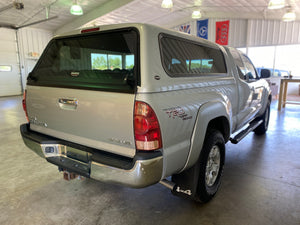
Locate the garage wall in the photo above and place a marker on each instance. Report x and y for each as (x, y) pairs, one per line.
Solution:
(10, 80)
(32, 42)
(273, 32)
(237, 30)
(243, 32)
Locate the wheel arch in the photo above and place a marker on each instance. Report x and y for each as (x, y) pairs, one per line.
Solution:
(222, 124)
(215, 115)
(267, 99)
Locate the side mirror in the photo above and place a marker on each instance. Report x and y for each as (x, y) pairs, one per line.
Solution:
(265, 73)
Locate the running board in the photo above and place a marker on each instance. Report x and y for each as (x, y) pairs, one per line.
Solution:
(237, 138)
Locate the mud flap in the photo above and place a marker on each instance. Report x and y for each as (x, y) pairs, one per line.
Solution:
(186, 182)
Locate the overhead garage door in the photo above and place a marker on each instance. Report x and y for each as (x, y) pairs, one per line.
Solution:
(10, 81)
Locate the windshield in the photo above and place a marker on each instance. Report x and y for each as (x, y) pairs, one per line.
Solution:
(106, 60)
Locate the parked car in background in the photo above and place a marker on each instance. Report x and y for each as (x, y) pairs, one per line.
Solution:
(274, 72)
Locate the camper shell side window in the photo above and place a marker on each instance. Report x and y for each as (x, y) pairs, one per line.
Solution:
(186, 58)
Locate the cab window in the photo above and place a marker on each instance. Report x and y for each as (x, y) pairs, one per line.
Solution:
(250, 69)
(245, 68)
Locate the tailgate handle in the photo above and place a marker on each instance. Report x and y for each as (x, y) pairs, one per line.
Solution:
(68, 103)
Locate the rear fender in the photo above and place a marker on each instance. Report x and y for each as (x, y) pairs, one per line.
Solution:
(206, 113)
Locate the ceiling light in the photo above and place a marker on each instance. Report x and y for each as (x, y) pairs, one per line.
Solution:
(276, 4)
(18, 5)
(196, 14)
(76, 9)
(289, 16)
(167, 4)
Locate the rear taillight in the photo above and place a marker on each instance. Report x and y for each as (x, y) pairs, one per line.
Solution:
(24, 105)
(146, 128)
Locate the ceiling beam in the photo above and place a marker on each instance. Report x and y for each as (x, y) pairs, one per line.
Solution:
(37, 22)
(92, 15)
(10, 6)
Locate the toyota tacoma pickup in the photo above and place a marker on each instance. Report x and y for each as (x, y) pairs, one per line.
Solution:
(136, 105)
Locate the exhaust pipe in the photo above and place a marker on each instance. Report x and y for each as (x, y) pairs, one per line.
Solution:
(167, 184)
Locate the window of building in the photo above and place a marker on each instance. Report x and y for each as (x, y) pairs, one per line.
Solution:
(281, 60)
(5, 68)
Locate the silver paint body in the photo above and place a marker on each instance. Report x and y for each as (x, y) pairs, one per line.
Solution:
(184, 106)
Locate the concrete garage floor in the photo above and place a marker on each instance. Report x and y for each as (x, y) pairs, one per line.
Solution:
(261, 184)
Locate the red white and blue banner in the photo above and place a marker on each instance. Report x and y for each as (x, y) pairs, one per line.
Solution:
(222, 31)
(202, 28)
(185, 28)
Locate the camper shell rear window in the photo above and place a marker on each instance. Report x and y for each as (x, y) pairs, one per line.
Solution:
(107, 60)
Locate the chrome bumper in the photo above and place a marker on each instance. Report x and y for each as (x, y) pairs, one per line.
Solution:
(142, 172)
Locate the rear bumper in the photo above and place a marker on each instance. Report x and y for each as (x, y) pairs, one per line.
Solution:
(143, 170)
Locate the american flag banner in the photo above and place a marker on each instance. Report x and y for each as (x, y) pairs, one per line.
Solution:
(185, 28)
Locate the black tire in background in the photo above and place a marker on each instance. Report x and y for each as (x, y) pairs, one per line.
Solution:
(211, 161)
(263, 127)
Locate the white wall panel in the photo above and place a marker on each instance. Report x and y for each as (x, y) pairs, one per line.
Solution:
(31, 40)
(10, 81)
(273, 32)
(237, 31)
(243, 32)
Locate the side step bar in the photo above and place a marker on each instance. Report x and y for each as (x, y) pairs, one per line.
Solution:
(237, 138)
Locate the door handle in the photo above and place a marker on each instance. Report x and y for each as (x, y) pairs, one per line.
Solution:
(68, 103)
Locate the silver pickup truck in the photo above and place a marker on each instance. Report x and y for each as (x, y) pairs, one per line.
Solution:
(136, 104)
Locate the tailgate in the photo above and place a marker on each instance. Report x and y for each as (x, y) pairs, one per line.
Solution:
(102, 120)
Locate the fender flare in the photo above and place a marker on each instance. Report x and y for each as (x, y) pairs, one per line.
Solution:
(266, 99)
(206, 113)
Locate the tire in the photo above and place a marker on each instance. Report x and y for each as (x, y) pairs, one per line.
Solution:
(263, 127)
(211, 161)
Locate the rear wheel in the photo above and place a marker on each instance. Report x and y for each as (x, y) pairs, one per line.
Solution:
(211, 166)
(263, 127)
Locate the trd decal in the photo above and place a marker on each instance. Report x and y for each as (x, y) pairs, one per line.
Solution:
(177, 112)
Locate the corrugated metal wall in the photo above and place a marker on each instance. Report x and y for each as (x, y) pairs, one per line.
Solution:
(237, 31)
(10, 80)
(273, 32)
(31, 45)
(250, 33)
